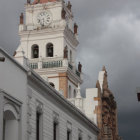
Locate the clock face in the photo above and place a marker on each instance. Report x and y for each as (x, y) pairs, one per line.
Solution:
(44, 18)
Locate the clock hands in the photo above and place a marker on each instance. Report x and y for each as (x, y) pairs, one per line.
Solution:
(44, 18)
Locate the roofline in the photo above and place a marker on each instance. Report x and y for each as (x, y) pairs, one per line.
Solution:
(55, 93)
(13, 60)
(67, 103)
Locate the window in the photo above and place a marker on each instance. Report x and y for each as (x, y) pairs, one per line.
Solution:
(39, 120)
(55, 131)
(74, 93)
(38, 117)
(69, 96)
(35, 51)
(3, 129)
(68, 135)
(80, 135)
(70, 56)
(10, 123)
(49, 50)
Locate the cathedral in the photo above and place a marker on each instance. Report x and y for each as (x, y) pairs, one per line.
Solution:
(45, 101)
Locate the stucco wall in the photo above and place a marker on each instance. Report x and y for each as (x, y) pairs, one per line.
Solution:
(49, 107)
(13, 81)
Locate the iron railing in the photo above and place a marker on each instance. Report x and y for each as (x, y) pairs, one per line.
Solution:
(52, 64)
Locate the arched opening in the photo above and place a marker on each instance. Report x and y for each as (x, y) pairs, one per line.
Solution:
(49, 50)
(52, 84)
(70, 56)
(39, 121)
(74, 93)
(35, 51)
(69, 95)
(10, 123)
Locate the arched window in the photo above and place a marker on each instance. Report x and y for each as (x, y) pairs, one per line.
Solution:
(49, 50)
(35, 51)
(74, 93)
(52, 84)
(70, 56)
(39, 121)
(10, 123)
(69, 95)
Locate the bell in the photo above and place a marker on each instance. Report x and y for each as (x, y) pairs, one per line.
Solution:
(50, 51)
(35, 52)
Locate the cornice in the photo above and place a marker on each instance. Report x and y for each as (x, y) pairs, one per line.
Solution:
(49, 5)
(57, 96)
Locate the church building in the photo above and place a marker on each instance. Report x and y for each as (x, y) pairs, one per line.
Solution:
(40, 95)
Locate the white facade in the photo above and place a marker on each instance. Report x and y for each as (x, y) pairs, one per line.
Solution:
(23, 93)
(59, 32)
(87, 104)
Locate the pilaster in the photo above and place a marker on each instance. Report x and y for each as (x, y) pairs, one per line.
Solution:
(63, 84)
(1, 115)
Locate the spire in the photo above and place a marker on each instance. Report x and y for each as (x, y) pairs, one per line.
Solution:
(21, 18)
(97, 84)
(75, 28)
(43, 1)
(103, 69)
(80, 67)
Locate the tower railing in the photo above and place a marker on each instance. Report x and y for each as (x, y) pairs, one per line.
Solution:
(47, 63)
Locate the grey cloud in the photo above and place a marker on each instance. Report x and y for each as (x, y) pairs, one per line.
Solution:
(109, 34)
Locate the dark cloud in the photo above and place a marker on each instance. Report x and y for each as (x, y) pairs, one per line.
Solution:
(109, 34)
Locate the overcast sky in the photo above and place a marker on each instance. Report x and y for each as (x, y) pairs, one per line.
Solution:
(109, 34)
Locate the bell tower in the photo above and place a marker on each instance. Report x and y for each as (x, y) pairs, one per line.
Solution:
(49, 40)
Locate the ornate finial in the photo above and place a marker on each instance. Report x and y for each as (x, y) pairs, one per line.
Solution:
(63, 13)
(15, 53)
(103, 69)
(80, 67)
(21, 18)
(28, 1)
(75, 28)
(97, 84)
(69, 5)
(66, 52)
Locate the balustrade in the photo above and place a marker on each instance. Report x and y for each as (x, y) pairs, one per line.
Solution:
(45, 64)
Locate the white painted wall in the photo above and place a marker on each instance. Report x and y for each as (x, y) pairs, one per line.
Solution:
(90, 104)
(49, 107)
(15, 83)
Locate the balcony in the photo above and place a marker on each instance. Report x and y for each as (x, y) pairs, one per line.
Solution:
(33, 65)
(47, 63)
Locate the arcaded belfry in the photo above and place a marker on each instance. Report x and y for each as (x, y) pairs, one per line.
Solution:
(48, 31)
(48, 46)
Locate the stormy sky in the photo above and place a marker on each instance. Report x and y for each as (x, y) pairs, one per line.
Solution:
(109, 34)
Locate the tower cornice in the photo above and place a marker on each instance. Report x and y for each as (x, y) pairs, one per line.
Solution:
(43, 5)
(69, 35)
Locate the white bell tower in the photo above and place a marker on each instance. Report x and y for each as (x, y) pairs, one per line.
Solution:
(49, 41)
